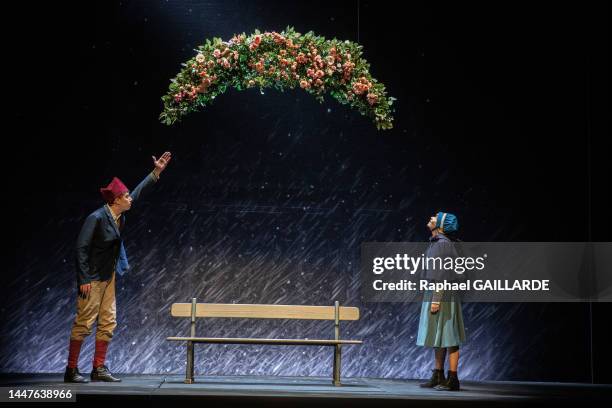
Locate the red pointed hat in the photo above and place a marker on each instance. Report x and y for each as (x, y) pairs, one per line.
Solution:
(113, 190)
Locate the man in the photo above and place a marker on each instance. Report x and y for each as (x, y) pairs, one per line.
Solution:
(100, 253)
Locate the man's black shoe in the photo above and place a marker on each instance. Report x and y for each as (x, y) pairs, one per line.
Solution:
(103, 374)
(72, 375)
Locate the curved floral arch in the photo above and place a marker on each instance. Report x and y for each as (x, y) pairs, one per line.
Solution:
(282, 61)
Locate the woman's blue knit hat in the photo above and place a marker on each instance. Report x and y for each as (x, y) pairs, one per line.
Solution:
(447, 222)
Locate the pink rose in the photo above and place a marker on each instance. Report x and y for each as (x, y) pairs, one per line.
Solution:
(372, 99)
(358, 88)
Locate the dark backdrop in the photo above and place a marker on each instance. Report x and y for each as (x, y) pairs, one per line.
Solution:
(268, 197)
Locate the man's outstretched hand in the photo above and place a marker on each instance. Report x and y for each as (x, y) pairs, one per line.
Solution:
(161, 163)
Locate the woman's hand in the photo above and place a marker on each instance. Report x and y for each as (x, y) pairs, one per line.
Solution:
(435, 306)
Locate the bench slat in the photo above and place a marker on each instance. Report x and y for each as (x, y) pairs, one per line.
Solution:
(264, 311)
(238, 340)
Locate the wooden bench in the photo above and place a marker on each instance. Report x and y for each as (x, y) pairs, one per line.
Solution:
(195, 310)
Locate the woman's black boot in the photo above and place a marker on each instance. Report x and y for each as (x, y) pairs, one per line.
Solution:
(451, 383)
(437, 377)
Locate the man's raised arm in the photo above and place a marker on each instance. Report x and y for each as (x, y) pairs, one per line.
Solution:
(159, 166)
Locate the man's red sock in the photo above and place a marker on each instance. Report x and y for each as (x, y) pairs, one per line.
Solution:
(100, 355)
(74, 349)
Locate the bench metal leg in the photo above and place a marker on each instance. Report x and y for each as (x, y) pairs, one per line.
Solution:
(337, 362)
(189, 369)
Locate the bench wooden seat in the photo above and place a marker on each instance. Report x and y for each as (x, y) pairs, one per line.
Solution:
(196, 310)
(278, 342)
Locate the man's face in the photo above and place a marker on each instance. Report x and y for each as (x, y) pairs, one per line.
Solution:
(124, 201)
(432, 222)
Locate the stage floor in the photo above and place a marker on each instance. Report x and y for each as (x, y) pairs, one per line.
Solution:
(315, 391)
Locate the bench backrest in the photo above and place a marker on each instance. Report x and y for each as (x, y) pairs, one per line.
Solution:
(256, 311)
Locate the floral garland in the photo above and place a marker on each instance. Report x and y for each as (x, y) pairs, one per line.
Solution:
(279, 60)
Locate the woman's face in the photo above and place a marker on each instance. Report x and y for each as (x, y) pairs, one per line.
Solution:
(432, 222)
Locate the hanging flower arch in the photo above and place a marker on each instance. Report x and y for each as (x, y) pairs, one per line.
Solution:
(282, 61)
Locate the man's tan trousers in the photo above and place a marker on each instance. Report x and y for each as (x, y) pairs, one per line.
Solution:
(99, 306)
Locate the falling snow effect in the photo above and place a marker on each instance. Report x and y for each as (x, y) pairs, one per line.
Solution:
(274, 229)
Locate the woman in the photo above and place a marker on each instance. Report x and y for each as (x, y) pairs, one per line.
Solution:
(441, 322)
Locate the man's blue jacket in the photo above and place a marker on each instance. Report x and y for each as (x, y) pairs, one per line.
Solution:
(100, 249)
